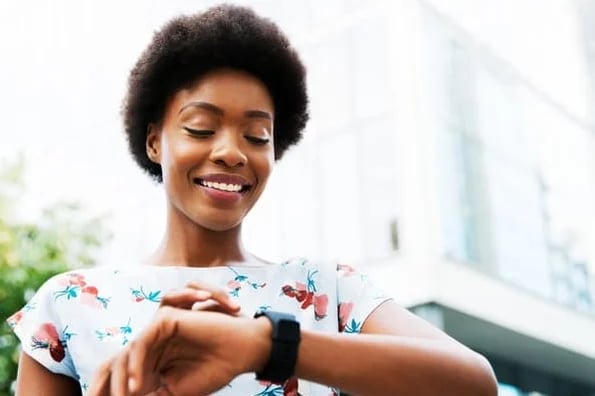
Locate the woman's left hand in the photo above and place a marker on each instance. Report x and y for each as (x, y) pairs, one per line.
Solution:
(200, 296)
(185, 352)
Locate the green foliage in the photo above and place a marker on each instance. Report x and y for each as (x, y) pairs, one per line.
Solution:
(30, 253)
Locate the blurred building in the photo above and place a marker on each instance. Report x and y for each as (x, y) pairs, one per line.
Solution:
(452, 152)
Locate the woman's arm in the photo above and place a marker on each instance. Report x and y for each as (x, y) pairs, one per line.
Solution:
(197, 353)
(34, 379)
(398, 354)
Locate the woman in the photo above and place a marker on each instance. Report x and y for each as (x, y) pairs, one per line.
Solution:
(214, 100)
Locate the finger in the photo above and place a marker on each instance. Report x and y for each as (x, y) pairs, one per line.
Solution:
(143, 374)
(184, 298)
(101, 381)
(137, 366)
(217, 294)
(213, 306)
(119, 375)
(147, 348)
(191, 383)
(164, 391)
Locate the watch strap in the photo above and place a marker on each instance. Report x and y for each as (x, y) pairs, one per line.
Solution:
(284, 351)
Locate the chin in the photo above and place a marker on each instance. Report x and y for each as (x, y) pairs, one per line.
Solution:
(218, 224)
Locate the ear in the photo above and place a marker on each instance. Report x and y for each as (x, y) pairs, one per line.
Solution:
(153, 143)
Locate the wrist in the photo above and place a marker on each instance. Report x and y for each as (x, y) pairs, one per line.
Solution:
(260, 344)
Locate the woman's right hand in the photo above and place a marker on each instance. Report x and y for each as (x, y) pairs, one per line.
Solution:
(165, 346)
(186, 353)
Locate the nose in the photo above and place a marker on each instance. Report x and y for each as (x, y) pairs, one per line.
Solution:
(227, 150)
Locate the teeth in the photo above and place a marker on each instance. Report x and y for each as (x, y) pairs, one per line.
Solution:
(222, 186)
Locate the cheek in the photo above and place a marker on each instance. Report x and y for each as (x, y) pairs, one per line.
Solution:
(264, 172)
(182, 156)
(264, 165)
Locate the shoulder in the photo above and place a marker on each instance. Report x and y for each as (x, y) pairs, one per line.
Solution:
(91, 287)
(72, 283)
(304, 263)
(79, 276)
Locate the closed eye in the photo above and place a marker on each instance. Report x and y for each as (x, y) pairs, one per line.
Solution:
(257, 140)
(201, 133)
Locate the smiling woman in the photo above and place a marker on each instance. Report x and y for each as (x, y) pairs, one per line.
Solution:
(215, 148)
(215, 99)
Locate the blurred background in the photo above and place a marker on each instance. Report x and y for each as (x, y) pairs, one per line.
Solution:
(450, 154)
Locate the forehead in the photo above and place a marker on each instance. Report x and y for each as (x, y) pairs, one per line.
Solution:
(230, 90)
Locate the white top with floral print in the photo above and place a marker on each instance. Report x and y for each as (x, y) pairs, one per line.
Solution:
(78, 319)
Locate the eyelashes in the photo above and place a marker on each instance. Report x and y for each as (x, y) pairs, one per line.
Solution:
(205, 133)
(257, 140)
(199, 132)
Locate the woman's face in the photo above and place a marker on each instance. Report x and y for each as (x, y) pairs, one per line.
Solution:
(215, 147)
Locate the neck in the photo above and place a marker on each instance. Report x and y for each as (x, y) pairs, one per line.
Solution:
(186, 243)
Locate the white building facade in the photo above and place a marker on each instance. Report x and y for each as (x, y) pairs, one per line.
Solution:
(451, 153)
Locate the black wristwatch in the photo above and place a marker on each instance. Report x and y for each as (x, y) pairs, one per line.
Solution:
(284, 352)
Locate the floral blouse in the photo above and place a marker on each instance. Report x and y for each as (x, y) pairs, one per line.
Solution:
(79, 319)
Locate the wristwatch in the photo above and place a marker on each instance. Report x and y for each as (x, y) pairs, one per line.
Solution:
(284, 352)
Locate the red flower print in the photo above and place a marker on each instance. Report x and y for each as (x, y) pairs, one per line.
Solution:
(47, 337)
(234, 284)
(76, 287)
(299, 293)
(288, 290)
(122, 332)
(112, 331)
(73, 279)
(91, 290)
(14, 319)
(347, 269)
(320, 306)
(139, 295)
(306, 298)
(290, 388)
(344, 313)
(89, 297)
(306, 294)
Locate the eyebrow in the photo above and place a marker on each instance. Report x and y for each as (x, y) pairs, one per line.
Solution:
(218, 111)
(258, 114)
(203, 105)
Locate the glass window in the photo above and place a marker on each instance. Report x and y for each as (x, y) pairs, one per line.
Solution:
(339, 193)
(496, 197)
(371, 76)
(300, 207)
(330, 83)
(378, 186)
(563, 153)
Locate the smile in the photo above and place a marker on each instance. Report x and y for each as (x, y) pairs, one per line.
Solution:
(221, 183)
(221, 186)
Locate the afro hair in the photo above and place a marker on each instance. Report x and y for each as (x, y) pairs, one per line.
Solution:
(188, 47)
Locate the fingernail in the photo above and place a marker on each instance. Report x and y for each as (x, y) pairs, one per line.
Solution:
(131, 385)
(202, 294)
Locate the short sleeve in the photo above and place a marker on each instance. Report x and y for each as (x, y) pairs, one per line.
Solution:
(357, 298)
(42, 332)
